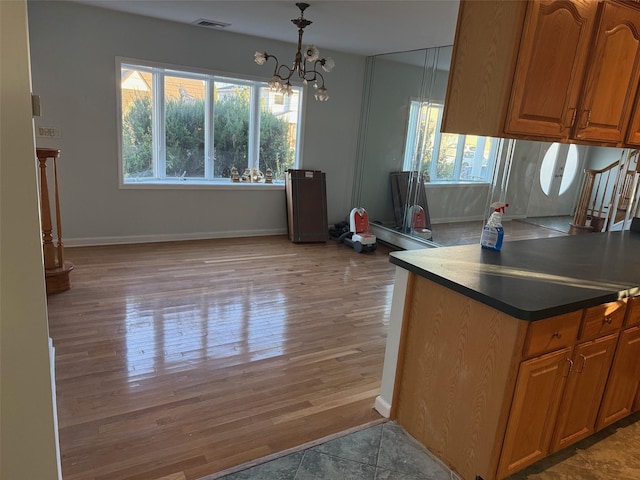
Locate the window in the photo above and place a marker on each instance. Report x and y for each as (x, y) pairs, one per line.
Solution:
(191, 127)
(446, 157)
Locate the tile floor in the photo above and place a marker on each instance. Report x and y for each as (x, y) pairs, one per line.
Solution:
(382, 452)
(387, 452)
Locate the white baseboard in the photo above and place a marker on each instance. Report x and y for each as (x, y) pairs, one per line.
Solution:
(382, 407)
(172, 237)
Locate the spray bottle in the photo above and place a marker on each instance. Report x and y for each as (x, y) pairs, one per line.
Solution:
(493, 233)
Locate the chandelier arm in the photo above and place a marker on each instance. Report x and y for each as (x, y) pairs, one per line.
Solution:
(315, 76)
(289, 71)
(266, 59)
(318, 74)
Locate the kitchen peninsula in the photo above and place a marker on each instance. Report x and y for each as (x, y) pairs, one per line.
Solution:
(494, 360)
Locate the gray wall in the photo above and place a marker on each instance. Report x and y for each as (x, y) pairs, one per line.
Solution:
(73, 50)
(28, 428)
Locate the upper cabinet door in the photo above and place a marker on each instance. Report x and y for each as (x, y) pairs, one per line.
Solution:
(551, 63)
(612, 78)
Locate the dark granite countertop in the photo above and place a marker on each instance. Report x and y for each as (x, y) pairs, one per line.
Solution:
(536, 279)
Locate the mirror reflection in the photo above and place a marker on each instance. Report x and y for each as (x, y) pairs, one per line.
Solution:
(436, 188)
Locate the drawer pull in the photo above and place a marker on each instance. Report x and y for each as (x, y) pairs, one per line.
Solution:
(557, 335)
(608, 320)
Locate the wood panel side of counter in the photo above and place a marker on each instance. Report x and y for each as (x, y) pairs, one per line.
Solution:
(459, 366)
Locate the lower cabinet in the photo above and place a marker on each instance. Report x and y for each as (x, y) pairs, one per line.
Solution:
(583, 391)
(566, 395)
(534, 410)
(622, 387)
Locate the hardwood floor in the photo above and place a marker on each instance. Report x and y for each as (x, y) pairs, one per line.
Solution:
(468, 233)
(184, 359)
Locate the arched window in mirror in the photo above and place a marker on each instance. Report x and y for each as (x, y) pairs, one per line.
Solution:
(560, 162)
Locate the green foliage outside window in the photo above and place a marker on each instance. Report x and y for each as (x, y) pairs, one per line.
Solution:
(136, 139)
(185, 139)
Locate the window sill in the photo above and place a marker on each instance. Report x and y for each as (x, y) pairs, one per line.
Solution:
(196, 185)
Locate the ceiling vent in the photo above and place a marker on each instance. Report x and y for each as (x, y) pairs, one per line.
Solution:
(203, 22)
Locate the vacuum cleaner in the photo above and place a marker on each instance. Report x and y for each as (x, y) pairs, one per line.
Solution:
(358, 237)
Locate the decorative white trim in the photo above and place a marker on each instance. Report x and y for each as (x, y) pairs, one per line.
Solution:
(382, 407)
(392, 348)
(170, 237)
(56, 435)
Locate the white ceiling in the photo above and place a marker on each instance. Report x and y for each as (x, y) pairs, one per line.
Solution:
(360, 27)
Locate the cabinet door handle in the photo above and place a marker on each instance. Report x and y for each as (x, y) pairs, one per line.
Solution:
(573, 116)
(584, 363)
(570, 367)
(588, 119)
(557, 335)
(607, 320)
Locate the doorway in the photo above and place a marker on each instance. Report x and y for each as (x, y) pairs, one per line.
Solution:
(554, 191)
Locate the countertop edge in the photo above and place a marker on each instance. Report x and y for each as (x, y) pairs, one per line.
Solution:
(528, 315)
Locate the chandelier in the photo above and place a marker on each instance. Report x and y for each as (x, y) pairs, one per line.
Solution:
(305, 65)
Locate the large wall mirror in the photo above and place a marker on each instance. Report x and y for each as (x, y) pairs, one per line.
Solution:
(409, 174)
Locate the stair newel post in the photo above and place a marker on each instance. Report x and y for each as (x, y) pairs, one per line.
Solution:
(45, 214)
(56, 270)
(60, 248)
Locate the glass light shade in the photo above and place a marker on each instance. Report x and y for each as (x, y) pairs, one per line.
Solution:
(311, 53)
(322, 95)
(260, 58)
(328, 64)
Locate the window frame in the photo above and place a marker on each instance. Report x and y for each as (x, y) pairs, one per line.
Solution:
(208, 181)
(411, 147)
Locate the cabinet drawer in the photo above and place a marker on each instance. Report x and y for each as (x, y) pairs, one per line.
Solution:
(602, 319)
(552, 333)
(633, 312)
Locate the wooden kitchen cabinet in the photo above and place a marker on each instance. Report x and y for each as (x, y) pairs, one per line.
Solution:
(633, 312)
(633, 134)
(570, 74)
(534, 410)
(623, 381)
(551, 63)
(611, 82)
(602, 319)
(552, 334)
(583, 391)
(482, 65)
